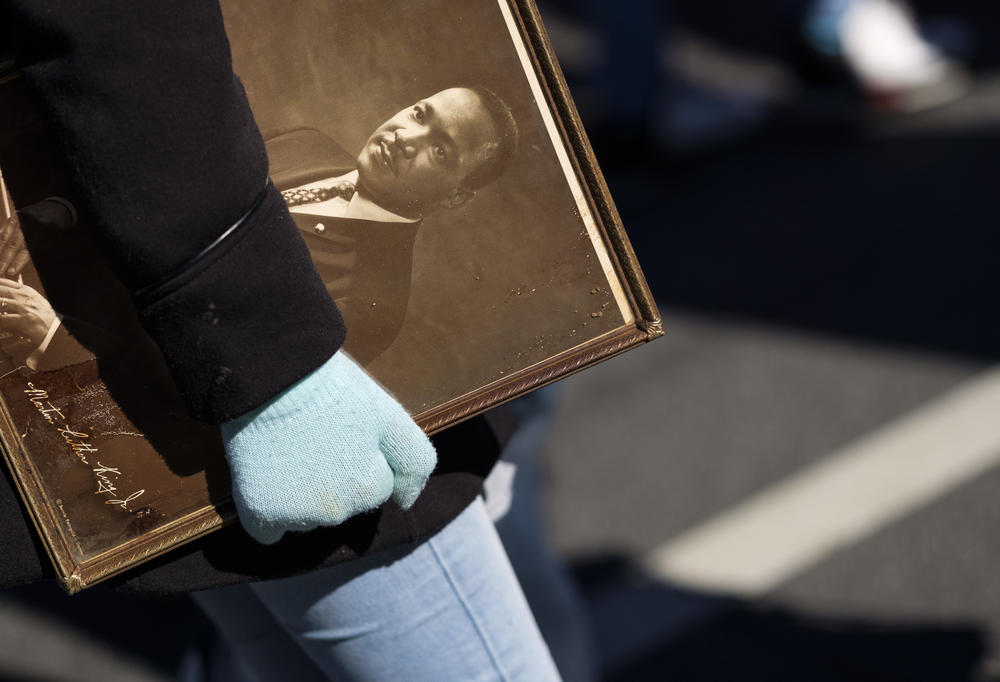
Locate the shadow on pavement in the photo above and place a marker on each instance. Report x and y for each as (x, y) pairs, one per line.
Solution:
(155, 630)
(647, 630)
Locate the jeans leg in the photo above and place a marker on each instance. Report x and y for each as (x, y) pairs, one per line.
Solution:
(253, 647)
(451, 609)
(545, 579)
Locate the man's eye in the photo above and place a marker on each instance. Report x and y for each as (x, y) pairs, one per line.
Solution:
(418, 114)
(439, 152)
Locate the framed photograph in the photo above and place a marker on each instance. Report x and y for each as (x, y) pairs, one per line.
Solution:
(439, 174)
(500, 282)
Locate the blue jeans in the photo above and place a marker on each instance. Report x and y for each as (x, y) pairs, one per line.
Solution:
(451, 609)
(545, 579)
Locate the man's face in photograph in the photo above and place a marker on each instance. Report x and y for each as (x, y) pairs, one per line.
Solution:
(418, 159)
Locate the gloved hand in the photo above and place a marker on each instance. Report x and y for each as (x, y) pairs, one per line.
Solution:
(333, 445)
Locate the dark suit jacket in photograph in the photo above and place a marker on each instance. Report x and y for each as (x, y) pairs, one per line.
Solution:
(366, 265)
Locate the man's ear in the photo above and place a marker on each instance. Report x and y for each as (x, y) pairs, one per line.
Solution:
(458, 197)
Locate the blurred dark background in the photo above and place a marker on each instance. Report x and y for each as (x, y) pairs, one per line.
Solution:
(766, 184)
(824, 253)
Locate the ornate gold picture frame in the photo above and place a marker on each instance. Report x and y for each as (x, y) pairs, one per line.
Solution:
(456, 302)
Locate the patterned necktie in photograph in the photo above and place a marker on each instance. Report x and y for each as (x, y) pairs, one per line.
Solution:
(296, 197)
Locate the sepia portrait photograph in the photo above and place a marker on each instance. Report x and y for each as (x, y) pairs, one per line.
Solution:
(420, 159)
(434, 165)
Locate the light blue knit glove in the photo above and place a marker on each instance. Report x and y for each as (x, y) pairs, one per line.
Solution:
(333, 445)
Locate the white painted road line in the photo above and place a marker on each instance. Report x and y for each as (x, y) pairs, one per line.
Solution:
(783, 530)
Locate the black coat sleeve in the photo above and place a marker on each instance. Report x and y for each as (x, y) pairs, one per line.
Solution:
(172, 174)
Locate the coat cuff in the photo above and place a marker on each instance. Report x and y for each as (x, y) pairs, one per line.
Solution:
(245, 320)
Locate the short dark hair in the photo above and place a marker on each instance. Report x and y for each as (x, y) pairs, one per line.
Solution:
(499, 153)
